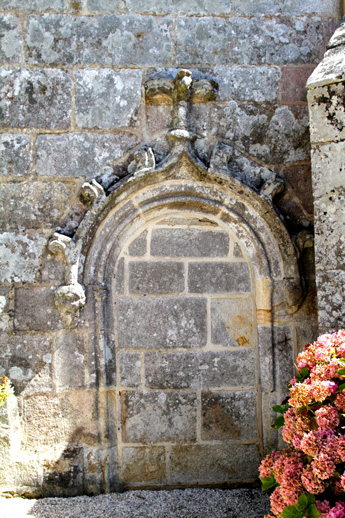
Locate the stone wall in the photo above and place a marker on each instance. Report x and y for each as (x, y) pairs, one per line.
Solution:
(79, 101)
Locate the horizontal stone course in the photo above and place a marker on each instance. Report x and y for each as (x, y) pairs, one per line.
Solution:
(106, 98)
(156, 277)
(39, 98)
(218, 41)
(20, 256)
(228, 416)
(106, 40)
(11, 40)
(151, 417)
(217, 463)
(204, 369)
(34, 5)
(35, 309)
(15, 155)
(80, 154)
(143, 464)
(181, 242)
(258, 84)
(180, 6)
(161, 323)
(130, 366)
(289, 7)
(218, 277)
(232, 322)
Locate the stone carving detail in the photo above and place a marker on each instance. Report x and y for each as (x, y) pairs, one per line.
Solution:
(70, 298)
(90, 192)
(272, 187)
(144, 161)
(221, 155)
(303, 240)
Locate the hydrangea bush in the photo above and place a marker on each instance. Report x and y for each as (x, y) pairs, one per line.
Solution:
(5, 389)
(308, 477)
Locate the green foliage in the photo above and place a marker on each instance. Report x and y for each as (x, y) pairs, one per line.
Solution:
(279, 422)
(6, 390)
(302, 375)
(305, 507)
(268, 483)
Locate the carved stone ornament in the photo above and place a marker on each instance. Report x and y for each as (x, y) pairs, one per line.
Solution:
(69, 300)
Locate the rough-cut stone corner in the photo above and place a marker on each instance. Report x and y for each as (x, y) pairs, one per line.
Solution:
(98, 98)
(39, 98)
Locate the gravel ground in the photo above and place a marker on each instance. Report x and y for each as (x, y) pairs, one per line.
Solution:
(187, 503)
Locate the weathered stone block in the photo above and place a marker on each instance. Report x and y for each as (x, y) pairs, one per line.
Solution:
(35, 309)
(106, 40)
(293, 84)
(218, 277)
(34, 5)
(180, 6)
(120, 276)
(103, 6)
(11, 41)
(218, 41)
(69, 359)
(172, 371)
(228, 416)
(327, 114)
(161, 323)
(214, 464)
(107, 98)
(232, 322)
(20, 256)
(331, 286)
(33, 204)
(150, 417)
(80, 154)
(144, 465)
(271, 134)
(35, 98)
(130, 367)
(227, 368)
(258, 84)
(330, 227)
(15, 155)
(283, 357)
(328, 157)
(178, 242)
(330, 70)
(156, 277)
(64, 477)
(289, 7)
(138, 247)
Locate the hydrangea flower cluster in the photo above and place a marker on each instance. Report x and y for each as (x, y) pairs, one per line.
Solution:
(309, 476)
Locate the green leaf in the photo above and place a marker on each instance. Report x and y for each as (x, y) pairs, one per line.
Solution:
(341, 387)
(291, 511)
(268, 483)
(302, 375)
(281, 409)
(279, 422)
(312, 512)
(311, 498)
(341, 361)
(302, 502)
(341, 372)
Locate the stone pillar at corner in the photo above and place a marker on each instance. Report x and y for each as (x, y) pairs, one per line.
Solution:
(326, 95)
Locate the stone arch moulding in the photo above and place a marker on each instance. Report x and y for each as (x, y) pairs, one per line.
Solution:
(189, 280)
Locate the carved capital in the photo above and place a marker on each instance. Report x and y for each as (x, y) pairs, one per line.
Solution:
(143, 161)
(69, 300)
(58, 244)
(272, 187)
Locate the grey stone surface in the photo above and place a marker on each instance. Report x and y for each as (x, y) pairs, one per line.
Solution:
(228, 416)
(214, 463)
(35, 309)
(180, 6)
(232, 322)
(120, 276)
(20, 256)
(218, 41)
(35, 98)
(11, 41)
(69, 360)
(180, 242)
(216, 277)
(331, 285)
(258, 84)
(330, 70)
(330, 230)
(34, 5)
(80, 154)
(107, 98)
(327, 117)
(295, 7)
(144, 465)
(130, 367)
(34, 204)
(283, 357)
(151, 417)
(15, 155)
(156, 277)
(161, 323)
(102, 6)
(199, 369)
(138, 247)
(107, 40)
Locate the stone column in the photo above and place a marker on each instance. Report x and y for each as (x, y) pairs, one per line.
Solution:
(326, 99)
